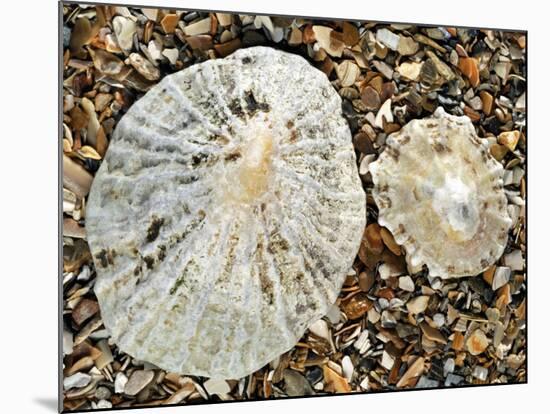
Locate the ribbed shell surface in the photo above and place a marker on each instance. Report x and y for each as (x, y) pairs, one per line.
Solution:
(440, 193)
(226, 214)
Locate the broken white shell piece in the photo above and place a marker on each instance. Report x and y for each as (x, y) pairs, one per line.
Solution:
(440, 193)
(226, 214)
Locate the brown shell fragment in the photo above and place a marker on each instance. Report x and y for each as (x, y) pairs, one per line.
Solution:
(440, 193)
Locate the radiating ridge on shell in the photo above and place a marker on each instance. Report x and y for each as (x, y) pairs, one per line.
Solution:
(440, 193)
(226, 214)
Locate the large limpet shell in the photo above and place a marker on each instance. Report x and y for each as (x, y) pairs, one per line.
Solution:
(440, 193)
(226, 214)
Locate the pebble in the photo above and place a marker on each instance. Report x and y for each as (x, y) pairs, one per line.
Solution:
(384, 113)
(453, 379)
(476, 103)
(295, 37)
(437, 33)
(120, 382)
(106, 62)
(388, 319)
(387, 38)
(103, 404)
(320, 329)
(432, 333)
(498, 151)
(362, 344)
(418, 304)
(84, 310)
(103, 393)
(425, 382)
(124, 30)
(468, 66)
(77, 380)
(448, 367)
(169, 23)
(502, 69)
(324, 38)
(498, 334)
(71, 228)
(487, 102)
(185, 391)
(224, 19)
(347, 72)
(383, 68)
(406, 283)
(383, 303)
(371, 98)
(151, 14)
(335, 381)
(410, 70)
(66, 36)
(501, 277)
(357, 306)
(144, 67)
(387, 360)
(429, 75)
(390, 242)
(365, 162)
(216, 387)
(333, 314)
(75, 177)
(67, 342)
(407, 46)
(155, 49)
(314, 375)
(520, 103)
(106, 356)
(350, 34)
(414, 370)
(439, 319)
(477, 342)
(226, 36)
(493, 314)
(227, 48)
(275, 33)
(363, 142)
(111, 44)
(197, 28)
(373, 238)
(189, 17)
(509, 139)
(366, 280)
(429, 42)
(101, 101)
(387, 270)
(514, 260)
(441, 67)
(296, 384)
(480, 372)
(138, 381)
(171, 54)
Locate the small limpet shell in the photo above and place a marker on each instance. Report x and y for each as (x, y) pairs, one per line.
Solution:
(440, 193)
(226, 214)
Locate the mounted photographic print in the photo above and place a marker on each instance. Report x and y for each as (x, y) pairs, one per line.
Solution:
(260, 207)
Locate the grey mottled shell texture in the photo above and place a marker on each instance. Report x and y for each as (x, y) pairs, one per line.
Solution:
(226, 214)
(441, 194)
